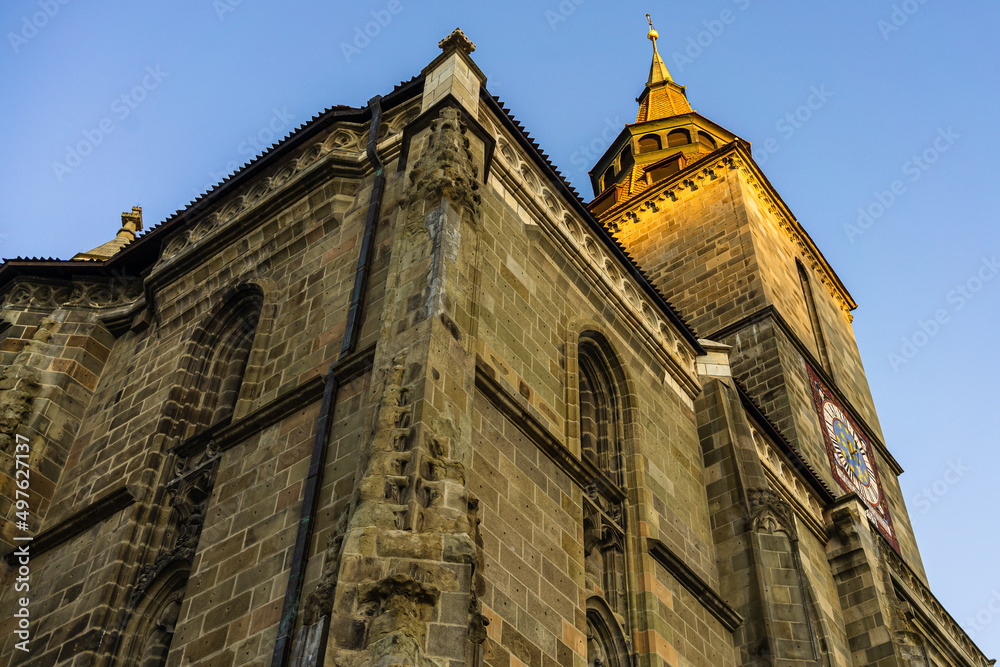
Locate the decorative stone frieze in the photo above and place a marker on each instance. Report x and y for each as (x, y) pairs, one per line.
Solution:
(522, 187)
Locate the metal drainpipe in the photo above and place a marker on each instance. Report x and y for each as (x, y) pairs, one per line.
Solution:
(283, 644)
(374, 208)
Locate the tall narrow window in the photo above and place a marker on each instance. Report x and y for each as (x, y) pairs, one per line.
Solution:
(601, 434)
(598, 411)
(609, 178)
(814, 322)
(213, 375)
(626, 160)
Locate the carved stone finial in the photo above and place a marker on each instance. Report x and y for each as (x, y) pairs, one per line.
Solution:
(132, 221)
(770, 513)
(445, 169)
(457, 41)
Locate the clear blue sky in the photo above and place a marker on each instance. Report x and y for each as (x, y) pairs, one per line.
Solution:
(201, 79)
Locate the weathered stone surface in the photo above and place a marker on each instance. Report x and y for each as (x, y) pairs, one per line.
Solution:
(527, 464)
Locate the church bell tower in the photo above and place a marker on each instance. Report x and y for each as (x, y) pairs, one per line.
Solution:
(686, 200)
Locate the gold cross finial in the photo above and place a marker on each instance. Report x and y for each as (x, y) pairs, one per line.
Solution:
(652, 31)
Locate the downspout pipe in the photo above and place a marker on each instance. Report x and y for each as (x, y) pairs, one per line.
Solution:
(314, 479)
(367, 241)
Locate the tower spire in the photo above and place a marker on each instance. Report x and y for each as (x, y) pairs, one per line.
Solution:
(662, 97)
(658, 72)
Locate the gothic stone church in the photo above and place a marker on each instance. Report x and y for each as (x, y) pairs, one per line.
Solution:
(393, 394)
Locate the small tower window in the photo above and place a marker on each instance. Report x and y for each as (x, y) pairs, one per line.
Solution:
(627, 160)
(707, 141)
(678, 138)
(649, 143)
(609, 178)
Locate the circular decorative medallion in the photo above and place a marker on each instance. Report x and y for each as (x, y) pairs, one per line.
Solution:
(851, 453)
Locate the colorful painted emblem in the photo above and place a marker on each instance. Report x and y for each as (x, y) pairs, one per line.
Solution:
(851, 457)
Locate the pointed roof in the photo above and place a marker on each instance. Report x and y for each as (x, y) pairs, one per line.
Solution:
(658, 72)
(662, 97)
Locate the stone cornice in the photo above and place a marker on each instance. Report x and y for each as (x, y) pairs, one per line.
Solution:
(339, 152)
(922, 601)
(27, 291)
(567, 196)
(78, 522)
(733, 157)
(686, 577)
(524, 189)
(521, 414)
(784, 480)
(771, 313)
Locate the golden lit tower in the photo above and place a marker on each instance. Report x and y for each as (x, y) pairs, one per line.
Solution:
(667, 136)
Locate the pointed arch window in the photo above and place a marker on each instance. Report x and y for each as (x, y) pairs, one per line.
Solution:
(601, 393)
(600, 411)
(814, 322)
(220, 356)
(606, 644)
(212, 378)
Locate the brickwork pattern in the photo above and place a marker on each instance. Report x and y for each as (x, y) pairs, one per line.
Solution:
(51, 363)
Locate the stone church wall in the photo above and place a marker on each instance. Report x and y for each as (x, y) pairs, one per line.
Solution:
(113, 400)
(537, 297)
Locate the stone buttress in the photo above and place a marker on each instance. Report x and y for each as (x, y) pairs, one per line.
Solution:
(756, 538)
(401, 579)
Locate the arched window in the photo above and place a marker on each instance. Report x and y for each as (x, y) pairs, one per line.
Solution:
(626, 160)
(609, 178)
(814, 322)
(678, 138)
(219, 358)
(606, 646)
(650, 142)
(150, 630)
(706, 140)
(600, 409)
(212, 375)
(602, 390)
